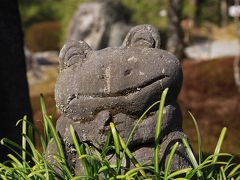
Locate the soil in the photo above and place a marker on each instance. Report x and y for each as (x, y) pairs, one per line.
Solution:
(209, 92)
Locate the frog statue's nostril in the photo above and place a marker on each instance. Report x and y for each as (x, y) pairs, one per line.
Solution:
(127, 72)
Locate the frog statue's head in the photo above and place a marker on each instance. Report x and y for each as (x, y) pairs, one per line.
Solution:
(121, 79)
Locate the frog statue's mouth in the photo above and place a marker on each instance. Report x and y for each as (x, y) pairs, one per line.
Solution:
(160, 82)
(146, 84)
(133, 100)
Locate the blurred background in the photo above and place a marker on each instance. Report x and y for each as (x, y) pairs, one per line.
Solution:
(203, 34)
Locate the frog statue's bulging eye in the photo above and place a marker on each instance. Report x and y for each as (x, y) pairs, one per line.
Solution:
(73, 52)
(142, 36)
(143, 42)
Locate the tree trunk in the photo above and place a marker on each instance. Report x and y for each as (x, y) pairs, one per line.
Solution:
(224, 11)
(197, 12)
(175, 34)
(236, 63)
(14, 97)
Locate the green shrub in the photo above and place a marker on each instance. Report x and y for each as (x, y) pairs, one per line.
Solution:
(209, 11)
(145, 12)
(43, 36)
(36, 11)
(96, 162)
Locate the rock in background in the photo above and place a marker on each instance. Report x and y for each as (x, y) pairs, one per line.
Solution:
(100, 24)
(42, 70)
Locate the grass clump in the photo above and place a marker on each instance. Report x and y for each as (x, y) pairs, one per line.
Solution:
(32, 164)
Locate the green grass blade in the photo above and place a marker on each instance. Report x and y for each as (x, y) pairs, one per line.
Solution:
(6, 141)
(83, 177)
(131, 157)
(134, 171)
(117, 146)
(139, 121)
(43, 106)
(106, 146)
(30, 134)
(169, 160)
(217, 149)
(4, 178)
(179, 172)
(106, 151)
(59, 145)
(222, 174)
(88, 157)
(229, 165)
(198, 138)
(108, 166)
(233, 171)
(77, 146)
(45, 123)
(55, 136)
(36, 155)
(190, 153)
(15, 160)
(205, 166)
(63, 167)
(158, 129)
(191, 156)
(219, 143)
(39, 135)
(40, 173)
(24, 133)
(210, 157)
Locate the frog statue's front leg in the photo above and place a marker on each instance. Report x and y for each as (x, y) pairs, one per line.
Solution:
(142, 142)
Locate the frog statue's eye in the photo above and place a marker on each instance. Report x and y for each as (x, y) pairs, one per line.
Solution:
(142, 36)
(73, 52)
(142, 40)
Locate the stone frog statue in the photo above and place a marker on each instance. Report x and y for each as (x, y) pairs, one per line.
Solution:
(117, 85)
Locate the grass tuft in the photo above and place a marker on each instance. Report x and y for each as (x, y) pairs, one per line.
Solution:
(99, 164)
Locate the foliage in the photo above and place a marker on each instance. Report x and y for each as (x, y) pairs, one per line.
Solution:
(34, 11)
(141, 12)
(209, 11)
(96, 163)
(43, 36)
(147, 12)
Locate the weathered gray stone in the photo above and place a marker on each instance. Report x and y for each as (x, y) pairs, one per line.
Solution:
(99, 24)
(144, 153)
(117, 85)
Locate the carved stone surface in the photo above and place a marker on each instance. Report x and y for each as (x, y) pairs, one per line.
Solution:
(117, 85)
(100, 24)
